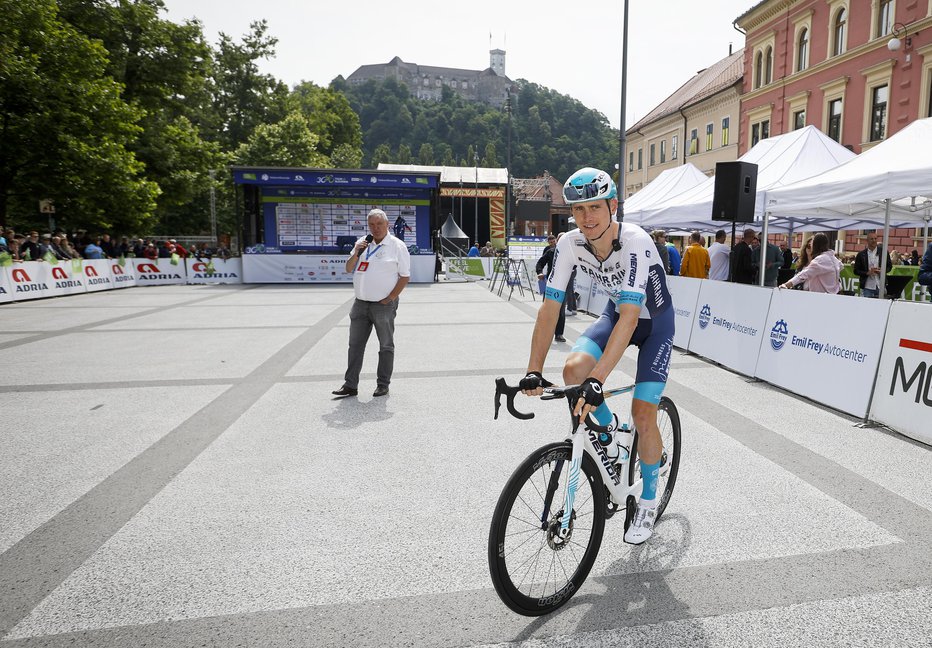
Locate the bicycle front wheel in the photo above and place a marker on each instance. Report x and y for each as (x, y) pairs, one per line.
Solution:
(668, 420)
(535, 568)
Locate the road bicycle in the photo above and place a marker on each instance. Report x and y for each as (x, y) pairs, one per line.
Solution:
(548, 524)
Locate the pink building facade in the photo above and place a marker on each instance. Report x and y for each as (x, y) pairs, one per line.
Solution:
(835, 64)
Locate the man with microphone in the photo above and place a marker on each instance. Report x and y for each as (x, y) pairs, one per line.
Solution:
(381, 268)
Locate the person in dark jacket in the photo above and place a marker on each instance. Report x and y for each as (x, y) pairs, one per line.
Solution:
(925, 269)
(545, 263)
(867, 266)
(742, 262)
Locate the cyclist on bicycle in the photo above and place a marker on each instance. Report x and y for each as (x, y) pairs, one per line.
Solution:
(622, 258)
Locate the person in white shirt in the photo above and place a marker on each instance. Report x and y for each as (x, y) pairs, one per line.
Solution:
(719, 255)
(381, 268)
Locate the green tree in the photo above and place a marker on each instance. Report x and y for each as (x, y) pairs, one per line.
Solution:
(329, 116)
(288, 143)
(382, 153)
(66, 131)
(243, 97)
(403, 156)
(425, 154)
(490, 160)
(346, 156)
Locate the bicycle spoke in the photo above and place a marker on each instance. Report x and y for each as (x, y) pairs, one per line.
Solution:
(535, 524)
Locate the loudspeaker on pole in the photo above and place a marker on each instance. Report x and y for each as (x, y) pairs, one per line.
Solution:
(735, 192)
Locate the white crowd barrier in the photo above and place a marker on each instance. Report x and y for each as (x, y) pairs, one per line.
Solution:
(36, 279)
(685, 293)
(824, 347)
(728, 324)
(903, 391)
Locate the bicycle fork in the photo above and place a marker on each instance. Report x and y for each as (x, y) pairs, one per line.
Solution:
(571, 486)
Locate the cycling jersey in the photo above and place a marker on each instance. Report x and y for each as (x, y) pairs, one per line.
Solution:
(632, 275)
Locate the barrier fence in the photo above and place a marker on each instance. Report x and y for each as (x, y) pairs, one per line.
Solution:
(871, 358)
(37, 279)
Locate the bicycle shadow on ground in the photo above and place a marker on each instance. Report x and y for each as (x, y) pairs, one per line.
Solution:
(632, 592)
(350, 413)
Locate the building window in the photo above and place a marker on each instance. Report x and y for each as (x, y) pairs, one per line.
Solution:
(653, 160)
(885, 18)
(694, 141)
(663, 151)
(765, 129)
(725, 121)
(631, 161)
(834, 119)
(640, 159)
(799, 119)
(768, 66)
(928, 108)
(878, 112)
(673, 147)
(426, 81)
(802, 50)
(755, 134)
(708, 137)
(838, 32)
(758, 69)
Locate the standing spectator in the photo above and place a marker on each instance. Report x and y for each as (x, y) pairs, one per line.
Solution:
(823, 274)
(165, 250)
(378, 280)
(45, 245)
(487, 250)
(473, 250)
(719, 254)
(742, 265)
(773, 261)
(867, 266)
(68, 248)
(81, 240)
(400, 226)
(178, 248)
(675, 259)
(696, 261)
(545, 263)
(106, 245)
(93, 250)
(139, 248)
(150, 252)
(787, 254)
(222, 252)
(925, 269)
(57, 249)
(29, 249)
(124, 249)
(660, 242)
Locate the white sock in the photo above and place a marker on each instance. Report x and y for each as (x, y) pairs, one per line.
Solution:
(648, 503)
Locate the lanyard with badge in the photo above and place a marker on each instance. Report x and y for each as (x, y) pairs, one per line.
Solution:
(365, 264)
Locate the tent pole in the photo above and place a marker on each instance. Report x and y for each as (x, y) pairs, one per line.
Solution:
(763, 245)
(886, 248)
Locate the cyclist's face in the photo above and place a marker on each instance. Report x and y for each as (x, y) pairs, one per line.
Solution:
(593, 217)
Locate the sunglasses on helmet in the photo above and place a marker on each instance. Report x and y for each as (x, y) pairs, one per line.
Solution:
(582, 192)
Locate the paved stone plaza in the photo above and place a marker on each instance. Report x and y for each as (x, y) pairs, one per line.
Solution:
(175, 473)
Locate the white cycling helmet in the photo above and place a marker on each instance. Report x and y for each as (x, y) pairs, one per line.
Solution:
(589, 184)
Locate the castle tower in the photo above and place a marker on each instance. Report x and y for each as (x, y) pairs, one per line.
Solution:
(497, 61)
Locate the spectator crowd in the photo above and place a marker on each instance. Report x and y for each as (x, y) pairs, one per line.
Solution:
(58, 245)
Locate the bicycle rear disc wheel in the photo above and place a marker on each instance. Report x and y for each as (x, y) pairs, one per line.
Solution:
(668, 421)
(533, 568)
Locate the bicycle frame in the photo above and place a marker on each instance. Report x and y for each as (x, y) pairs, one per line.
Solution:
(612, 473)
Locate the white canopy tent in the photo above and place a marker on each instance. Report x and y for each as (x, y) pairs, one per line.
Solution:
(661, 189)
(885, 185)
(781, 160)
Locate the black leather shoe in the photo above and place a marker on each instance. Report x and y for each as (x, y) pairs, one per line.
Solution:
(344, 391)
(380, 391)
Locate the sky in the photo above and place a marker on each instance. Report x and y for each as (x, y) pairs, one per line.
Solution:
(574, 49)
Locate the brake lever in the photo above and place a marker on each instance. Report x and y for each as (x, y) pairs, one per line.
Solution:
(501, 387)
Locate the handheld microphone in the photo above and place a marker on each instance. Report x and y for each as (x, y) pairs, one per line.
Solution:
(368, 239)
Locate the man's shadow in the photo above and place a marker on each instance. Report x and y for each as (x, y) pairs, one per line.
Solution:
(635, 591)
(349, 413)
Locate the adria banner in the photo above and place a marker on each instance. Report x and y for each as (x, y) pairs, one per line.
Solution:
(218, 271)
(685, 293)
(67, 279)
(729, 324)
(824, 347)
(31, 280)
(6, 291)
(158, 272)
(287, 268)
(903, 393)
(97, 275)
(122, 276)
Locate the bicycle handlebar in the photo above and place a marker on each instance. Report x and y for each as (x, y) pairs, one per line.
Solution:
(501, 387)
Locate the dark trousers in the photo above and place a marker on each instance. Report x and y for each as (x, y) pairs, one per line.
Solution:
(363, 317)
